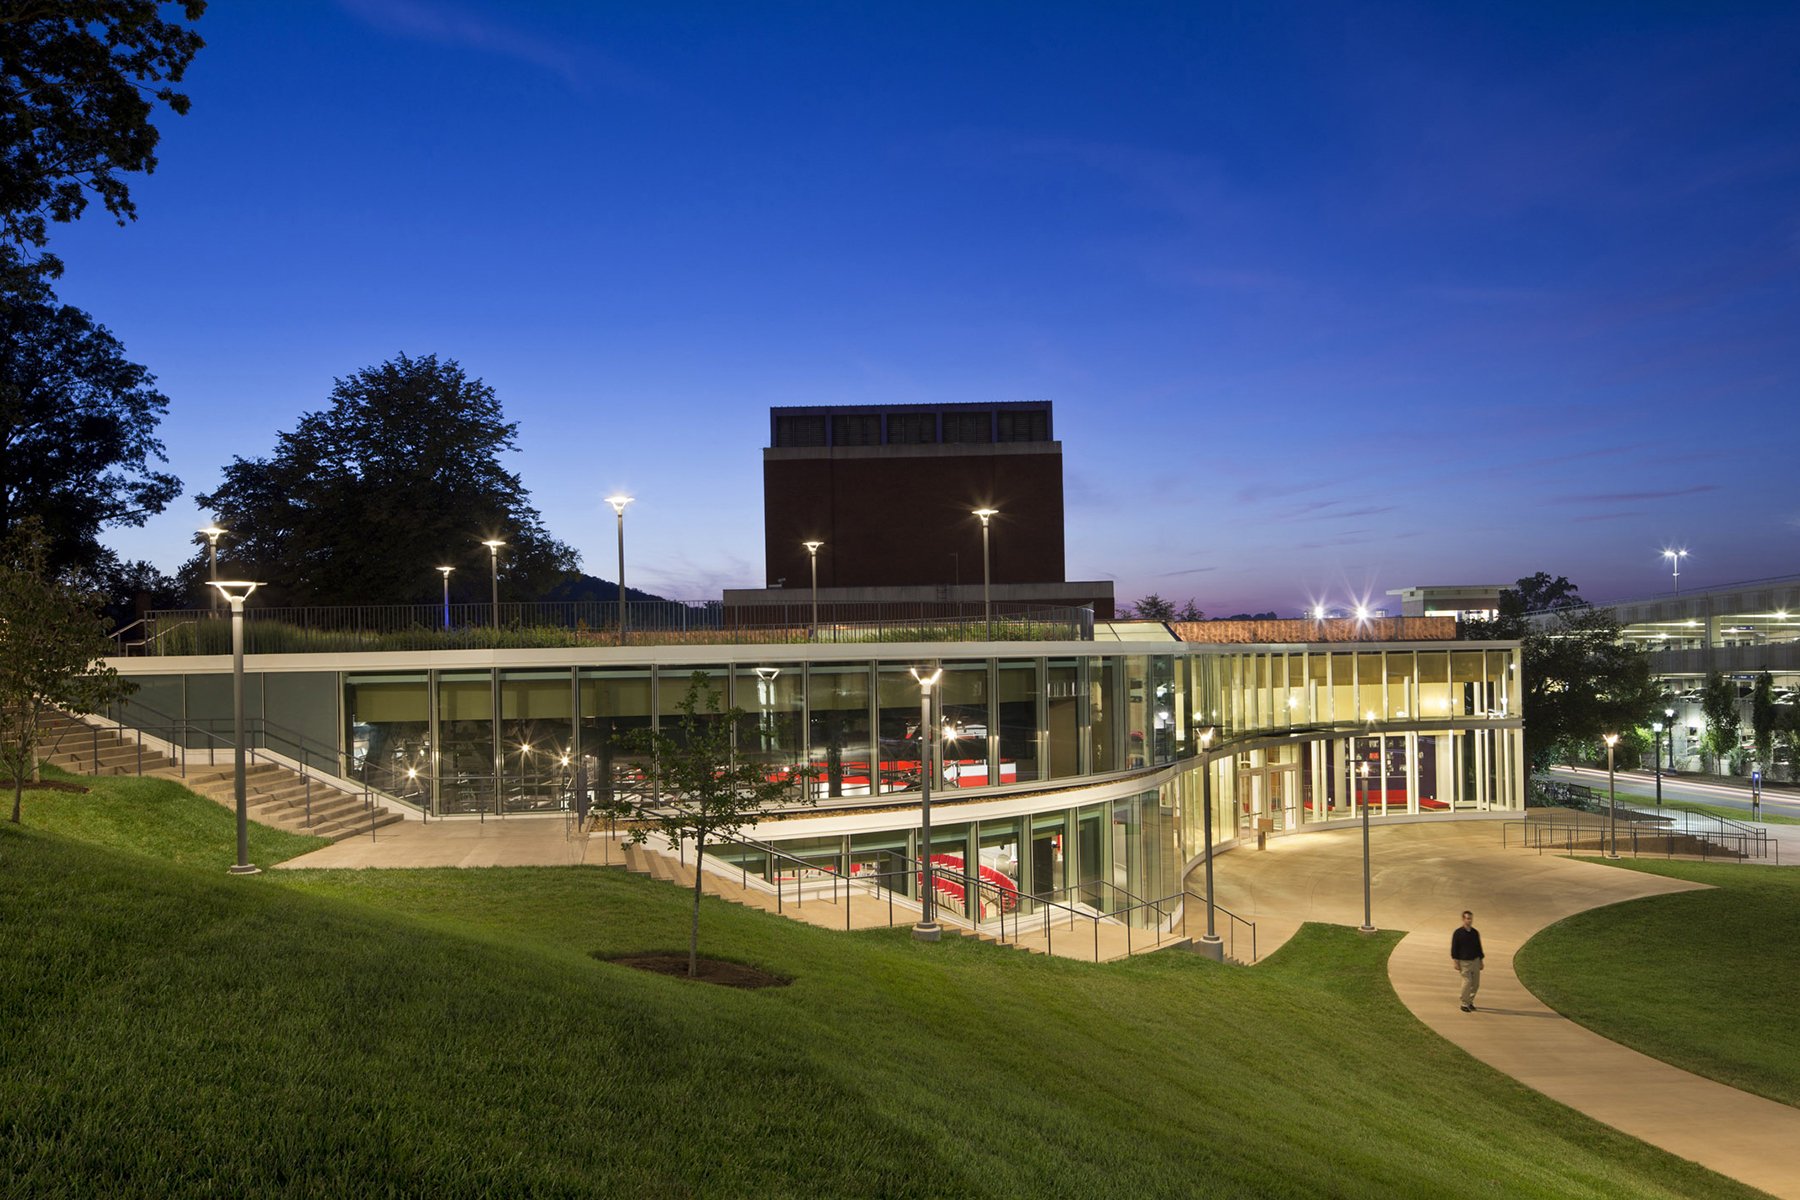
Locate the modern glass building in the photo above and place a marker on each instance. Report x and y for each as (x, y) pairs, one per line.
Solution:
(1068, 770)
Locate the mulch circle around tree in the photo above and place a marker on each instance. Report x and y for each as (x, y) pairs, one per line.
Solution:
(46, 785)
(711, 970)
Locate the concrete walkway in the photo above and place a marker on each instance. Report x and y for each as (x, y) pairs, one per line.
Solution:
(1424, 876)
(500, 842)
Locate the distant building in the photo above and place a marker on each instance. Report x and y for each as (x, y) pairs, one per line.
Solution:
(890, 492)
(1467, 602)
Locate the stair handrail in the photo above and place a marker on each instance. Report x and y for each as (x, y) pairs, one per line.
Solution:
(1236, 920)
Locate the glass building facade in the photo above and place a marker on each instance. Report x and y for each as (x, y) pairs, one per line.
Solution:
(1065, 771)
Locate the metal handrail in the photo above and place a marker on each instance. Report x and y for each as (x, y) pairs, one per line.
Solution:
(1532, 836)
(1231, 948)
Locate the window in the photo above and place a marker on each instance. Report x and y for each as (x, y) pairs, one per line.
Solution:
(800, 431)
(1022, 426)
(968, 427)
(856, 429)
(911, 428)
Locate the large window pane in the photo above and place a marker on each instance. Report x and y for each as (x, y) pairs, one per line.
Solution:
(466, 773)
(614, 702)
(965, 721)
(1103, 675)
(1016, 709)
(773, 702)
(838, 742)
(535, 731)
(1062, 710)
(897, 707)
(389, 738)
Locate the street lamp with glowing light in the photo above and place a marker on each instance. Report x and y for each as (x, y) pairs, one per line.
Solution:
(927, 929)
(618, 501)
(235, 592)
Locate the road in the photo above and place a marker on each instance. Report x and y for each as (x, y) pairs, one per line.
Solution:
(1735, 795)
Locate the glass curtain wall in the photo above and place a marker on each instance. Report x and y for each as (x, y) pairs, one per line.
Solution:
(615, 702)
(773, 700)
(839, 750)
(536, 758)
(389, 733)
(1016, 693)
(467, 779)
(897, 713)
(963, 714)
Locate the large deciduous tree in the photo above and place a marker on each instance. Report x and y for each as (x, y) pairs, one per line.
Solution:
(1582, 681)
(364, 500)
(79, 83)
(51, 645)
(78, 445)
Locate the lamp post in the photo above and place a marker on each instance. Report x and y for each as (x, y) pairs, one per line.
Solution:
(1368, 925)
(236, 591)
(927, 929)
(618, 503)
(212, 533)
(493, 545)
(1612, 798)
(1211, 945)
(812, 550)
(445, 571)
(987, 574)
(1669, 719)
(1675, 557)
(1656, 728)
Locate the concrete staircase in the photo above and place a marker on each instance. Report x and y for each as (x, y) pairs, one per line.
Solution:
(275, 795)
(283, 798)
(864, 908)
(83, 749)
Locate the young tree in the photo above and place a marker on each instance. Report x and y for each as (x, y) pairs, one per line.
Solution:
(50, 646)
(1763, 715)
(1190, 612)
(81, 80)
(77, 428)
(695, 788)
(364, 500)
(1719, 704)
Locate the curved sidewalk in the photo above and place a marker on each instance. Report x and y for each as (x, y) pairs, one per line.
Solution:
(1424, 876)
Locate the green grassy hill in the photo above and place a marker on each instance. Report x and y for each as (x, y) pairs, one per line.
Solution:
(165, 1029)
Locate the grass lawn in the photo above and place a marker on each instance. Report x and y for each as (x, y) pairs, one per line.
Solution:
(170, 1030)
(1703, 979)
(157, 817)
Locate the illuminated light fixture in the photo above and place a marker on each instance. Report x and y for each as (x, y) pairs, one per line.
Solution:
(812, 552)
(619, 500)
(1362, 612)
(493, 545)
(927, 929)
(987, 604)
(1675, 557)
(1318, 612)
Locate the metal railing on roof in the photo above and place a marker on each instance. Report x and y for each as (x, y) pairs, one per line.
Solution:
(592, 623)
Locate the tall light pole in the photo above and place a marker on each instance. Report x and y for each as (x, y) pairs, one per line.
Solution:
(1656, 728)
(1368, 925)
(1612, 797)
(446, 573)
(1675, 557)
(493, 545)
(812, 550)
(236, 591)
(927, 929)
(1669, 717)
(212, 533)
(987, 574)
(1210, 945)
(618, 503)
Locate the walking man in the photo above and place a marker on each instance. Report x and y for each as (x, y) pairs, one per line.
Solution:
(1465, 956)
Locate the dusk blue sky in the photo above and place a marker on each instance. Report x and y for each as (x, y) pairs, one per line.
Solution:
(1329, 299)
